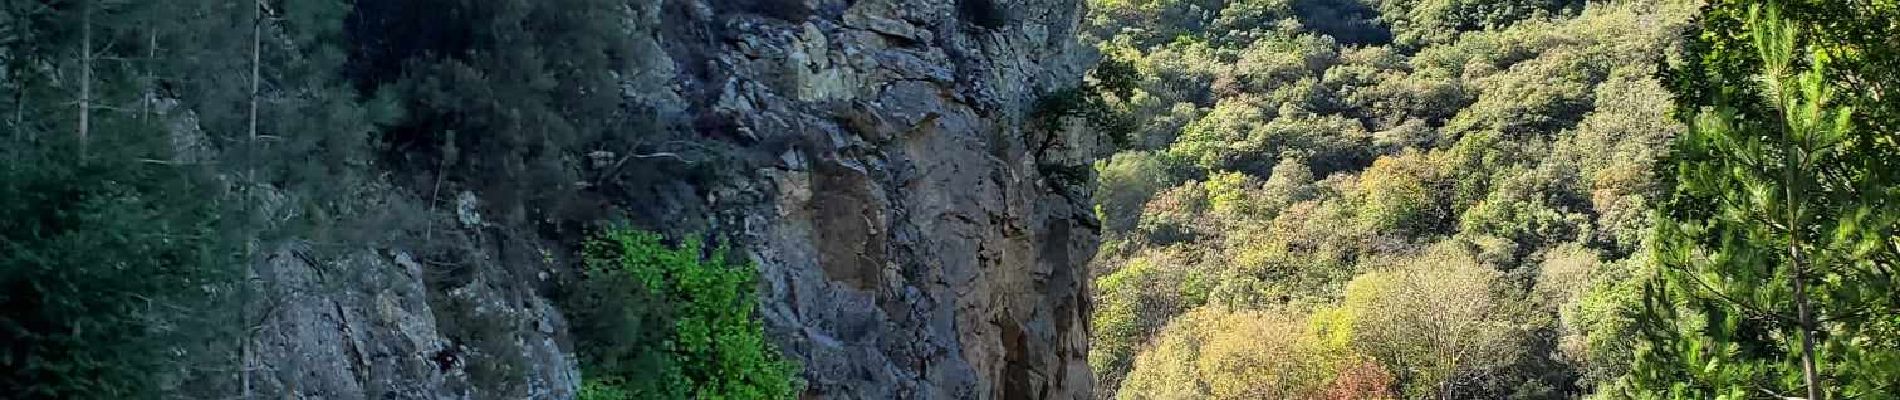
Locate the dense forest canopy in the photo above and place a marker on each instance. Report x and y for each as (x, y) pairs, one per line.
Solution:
(1496, 199)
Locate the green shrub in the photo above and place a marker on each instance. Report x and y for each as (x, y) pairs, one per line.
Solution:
(658, 321)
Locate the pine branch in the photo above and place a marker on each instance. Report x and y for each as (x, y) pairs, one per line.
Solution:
(1747, 307)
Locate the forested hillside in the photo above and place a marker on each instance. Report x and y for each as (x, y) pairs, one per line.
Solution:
(870, 199)
(1365, 199)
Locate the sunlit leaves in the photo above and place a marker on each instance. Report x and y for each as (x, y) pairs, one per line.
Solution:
(1215, 353)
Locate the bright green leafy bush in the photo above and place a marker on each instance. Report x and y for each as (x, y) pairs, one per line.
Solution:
(665, 322)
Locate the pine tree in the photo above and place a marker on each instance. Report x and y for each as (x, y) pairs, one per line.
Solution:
(111, 258)
(1775, 248)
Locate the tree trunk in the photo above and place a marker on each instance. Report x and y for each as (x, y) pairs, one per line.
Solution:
(1806, 319)
(257, 26)
(85, 74)
(1804, 316)
(257, 30)
(1807, 334)
(151, 77)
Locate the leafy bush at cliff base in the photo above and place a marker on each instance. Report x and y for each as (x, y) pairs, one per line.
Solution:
(663, 322)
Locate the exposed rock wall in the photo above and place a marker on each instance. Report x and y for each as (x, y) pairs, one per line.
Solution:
(888, 184)
(910, 243)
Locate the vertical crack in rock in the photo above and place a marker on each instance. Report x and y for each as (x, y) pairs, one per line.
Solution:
(909, 244)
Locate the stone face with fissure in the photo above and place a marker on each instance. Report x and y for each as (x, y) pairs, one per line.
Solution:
(909, 243)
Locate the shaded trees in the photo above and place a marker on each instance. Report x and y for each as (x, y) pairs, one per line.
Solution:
(116, 259)
(110, 263)
(217, 132)
(516, 89)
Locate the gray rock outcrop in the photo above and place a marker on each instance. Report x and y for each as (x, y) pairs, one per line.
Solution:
(910, 242)
(911, 238)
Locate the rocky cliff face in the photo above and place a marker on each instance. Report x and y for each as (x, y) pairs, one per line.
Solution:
(911, 239)
(911, 244)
